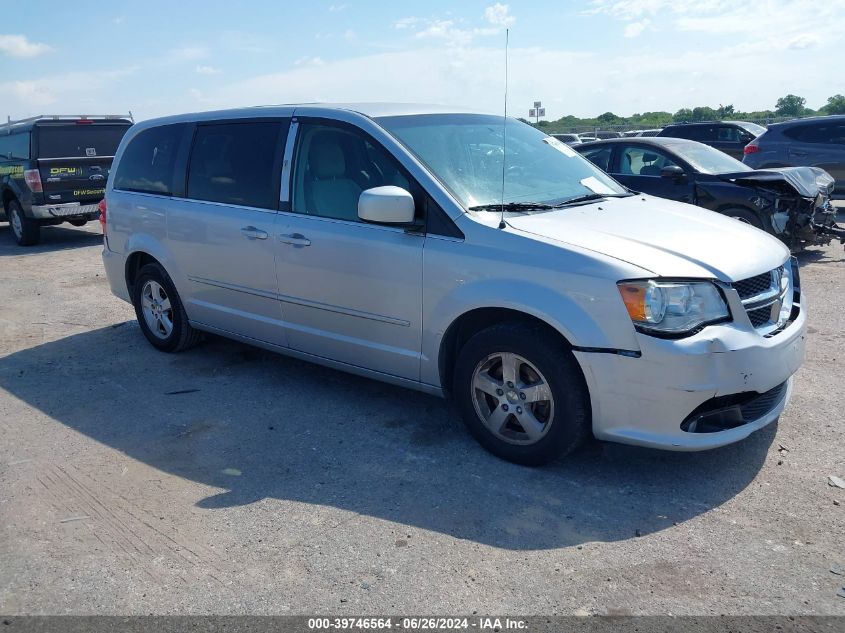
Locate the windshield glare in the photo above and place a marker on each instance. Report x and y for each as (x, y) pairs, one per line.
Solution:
(465, 152)
(709, 160)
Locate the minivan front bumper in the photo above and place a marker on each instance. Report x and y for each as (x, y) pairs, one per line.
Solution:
(646, 400)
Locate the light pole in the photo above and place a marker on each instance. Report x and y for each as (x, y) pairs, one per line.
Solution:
(538, 111)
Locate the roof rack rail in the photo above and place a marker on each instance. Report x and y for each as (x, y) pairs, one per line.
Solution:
(7, 126)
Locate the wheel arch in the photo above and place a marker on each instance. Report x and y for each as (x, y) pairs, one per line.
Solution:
(134, 263)
(473, 321)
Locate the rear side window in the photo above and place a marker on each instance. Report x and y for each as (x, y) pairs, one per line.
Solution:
(827, 133)
(14, 146)
(236, 163)
(692, 132)
(63, 141)
(148, 164)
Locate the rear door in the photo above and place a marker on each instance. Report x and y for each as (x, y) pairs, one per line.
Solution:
(727, 138)
(220, 233)
(820, 145)
(638, 167)
(74, 159)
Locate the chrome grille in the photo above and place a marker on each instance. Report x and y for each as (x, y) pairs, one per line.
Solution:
(763, 296)
(754, 286)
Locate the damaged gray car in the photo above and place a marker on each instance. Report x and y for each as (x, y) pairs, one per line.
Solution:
(792, 203)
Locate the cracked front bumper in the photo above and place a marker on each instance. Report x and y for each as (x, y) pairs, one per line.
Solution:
(644, 400)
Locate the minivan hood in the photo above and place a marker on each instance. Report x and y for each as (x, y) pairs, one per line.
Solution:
(670, 239)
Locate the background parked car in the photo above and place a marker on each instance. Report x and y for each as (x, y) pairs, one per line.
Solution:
(783, 202)
(569, 139)
(53, 169)
(814, 142)
(638, 133)
(729, 136)
(602, 134)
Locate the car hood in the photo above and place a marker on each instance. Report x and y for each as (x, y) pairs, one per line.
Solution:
(669, 239)
(808, 182)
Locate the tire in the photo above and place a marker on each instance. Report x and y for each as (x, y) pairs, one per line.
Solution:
(78, 222)
(25, 231)
(560, 417)
(157, 304)
(744, 215)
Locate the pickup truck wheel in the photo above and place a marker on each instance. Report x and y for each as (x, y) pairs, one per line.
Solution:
(160, 312)
(744, 215)
(78, 222)
(521, 393)
(25, 230)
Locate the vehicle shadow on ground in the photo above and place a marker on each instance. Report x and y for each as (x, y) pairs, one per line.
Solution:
(53, 238)
(259, 425)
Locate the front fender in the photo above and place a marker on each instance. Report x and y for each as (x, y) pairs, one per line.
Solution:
(600, 326)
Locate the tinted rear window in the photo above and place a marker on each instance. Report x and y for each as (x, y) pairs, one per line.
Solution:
(236, 163)
(825, 133)
(148, 164)
(61, 141)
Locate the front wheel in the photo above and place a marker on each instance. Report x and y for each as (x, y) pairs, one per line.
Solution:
(160, 312)
(745, 216)
(521, 393)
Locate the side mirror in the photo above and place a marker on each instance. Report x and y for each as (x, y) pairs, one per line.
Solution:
(671, 171)
(386, 205)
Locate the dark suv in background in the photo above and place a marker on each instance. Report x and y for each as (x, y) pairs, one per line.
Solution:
(53, 169)
(729, 136)
(811, 142)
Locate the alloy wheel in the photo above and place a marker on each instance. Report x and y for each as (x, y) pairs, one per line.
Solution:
(158, 312)
(512, 398)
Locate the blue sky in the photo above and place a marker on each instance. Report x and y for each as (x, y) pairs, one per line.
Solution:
(626, 56)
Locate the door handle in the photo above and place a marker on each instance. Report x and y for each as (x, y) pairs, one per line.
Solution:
(252, 233)
(296, 239)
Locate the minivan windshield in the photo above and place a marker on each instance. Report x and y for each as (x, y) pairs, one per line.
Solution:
(466, 151)
(65, 141)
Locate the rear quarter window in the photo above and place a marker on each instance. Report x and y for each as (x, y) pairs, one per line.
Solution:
(236, 163)
(149, 162)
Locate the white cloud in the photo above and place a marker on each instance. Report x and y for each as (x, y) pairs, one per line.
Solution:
(499, 15)
(804, 40)
(406, 23)
(635, 29)
(207, 70)
(20, 46)
(453, 33)
(334, 8)
(309, 61)
(187, 53)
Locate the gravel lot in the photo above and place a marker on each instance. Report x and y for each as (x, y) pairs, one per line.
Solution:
(230, 480)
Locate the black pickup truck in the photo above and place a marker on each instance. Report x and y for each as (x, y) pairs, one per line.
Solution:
(53, 169)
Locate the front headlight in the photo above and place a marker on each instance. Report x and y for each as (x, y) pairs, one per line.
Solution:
(672, 307)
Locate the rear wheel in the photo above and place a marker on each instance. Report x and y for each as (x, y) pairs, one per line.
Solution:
(78, 222)
(744, 215)
(26, 231)
(160, 312)
(521, 393)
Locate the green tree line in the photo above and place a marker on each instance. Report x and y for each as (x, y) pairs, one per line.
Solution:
(790, 106)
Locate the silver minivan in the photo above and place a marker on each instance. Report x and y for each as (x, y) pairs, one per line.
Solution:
(461, 254)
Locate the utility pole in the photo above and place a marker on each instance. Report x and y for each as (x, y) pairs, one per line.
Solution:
(537, 112)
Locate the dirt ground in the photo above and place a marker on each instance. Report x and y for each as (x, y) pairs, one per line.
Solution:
(230, 480)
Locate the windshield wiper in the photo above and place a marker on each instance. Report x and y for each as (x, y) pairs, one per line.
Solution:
(511, 206)
(590, 197)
